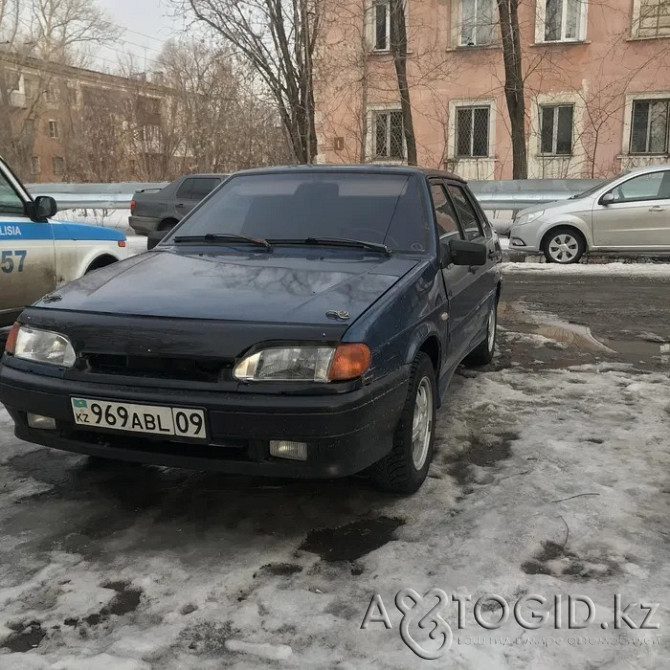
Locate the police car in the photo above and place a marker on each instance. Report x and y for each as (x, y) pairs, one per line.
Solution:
(38, 254)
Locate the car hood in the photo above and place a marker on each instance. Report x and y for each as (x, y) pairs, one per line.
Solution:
(248, 287)
(567, 205)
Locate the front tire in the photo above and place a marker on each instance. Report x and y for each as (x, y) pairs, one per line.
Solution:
(564, 245)
(404, 469)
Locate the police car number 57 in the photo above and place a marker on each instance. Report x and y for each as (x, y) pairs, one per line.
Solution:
(183, 422)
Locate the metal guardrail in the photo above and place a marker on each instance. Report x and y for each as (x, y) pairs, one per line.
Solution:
(517, 194)
(493, 195)
(92, 196)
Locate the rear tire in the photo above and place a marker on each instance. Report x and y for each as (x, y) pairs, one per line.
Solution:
(404, 469)
(484, 352)
(564, 245)
(167, 225)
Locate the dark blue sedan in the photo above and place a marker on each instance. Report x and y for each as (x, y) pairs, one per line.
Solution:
(299, 322)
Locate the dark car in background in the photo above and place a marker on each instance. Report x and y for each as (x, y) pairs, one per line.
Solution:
(162, 209)
(300, 322)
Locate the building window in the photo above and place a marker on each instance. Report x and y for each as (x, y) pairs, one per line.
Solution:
(478, 23)
(389, 136)
(53, 129)
(35, 165)
(561, 20)
(649, 127)
(653, 18)
(556, 129)
(29, 127)
(472, 132)
(381, 15)
(58, 165)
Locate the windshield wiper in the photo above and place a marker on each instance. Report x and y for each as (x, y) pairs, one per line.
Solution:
(338, 242)
(223, 238)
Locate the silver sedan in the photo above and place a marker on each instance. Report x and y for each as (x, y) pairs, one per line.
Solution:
(630, 213)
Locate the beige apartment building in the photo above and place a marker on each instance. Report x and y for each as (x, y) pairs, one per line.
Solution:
(596, 72)
(64, 123)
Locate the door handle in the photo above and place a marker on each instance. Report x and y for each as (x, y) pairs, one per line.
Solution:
(657, 208)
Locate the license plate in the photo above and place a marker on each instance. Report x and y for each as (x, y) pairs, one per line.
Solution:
(179, 421)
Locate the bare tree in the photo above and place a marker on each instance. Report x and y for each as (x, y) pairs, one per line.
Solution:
(63, 30)
(514, 84)
(399, 51)
(33, 31)
(224, 120)
(277, 38)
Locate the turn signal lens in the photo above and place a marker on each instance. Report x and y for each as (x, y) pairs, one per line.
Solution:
(349, 361)
(10, 344)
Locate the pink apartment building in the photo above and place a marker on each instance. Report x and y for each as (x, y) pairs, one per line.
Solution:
(597, 86)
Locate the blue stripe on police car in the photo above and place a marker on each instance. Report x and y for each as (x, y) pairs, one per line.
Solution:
(57, 230)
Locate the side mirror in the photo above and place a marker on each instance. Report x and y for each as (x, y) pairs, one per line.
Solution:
(41, 208)
(607, 199)
(154, 237)
(463, 252)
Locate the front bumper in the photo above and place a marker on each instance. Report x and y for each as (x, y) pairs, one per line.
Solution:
(520, 240)
(345, 432)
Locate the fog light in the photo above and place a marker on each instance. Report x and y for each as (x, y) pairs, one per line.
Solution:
(295, 451)
(41, 422)
(517, 242)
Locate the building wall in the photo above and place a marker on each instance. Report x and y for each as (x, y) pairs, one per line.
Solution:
(598, 71)
(64, 123)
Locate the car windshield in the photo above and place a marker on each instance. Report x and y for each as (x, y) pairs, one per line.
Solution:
(368, 207)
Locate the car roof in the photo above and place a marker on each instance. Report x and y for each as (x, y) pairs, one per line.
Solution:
(368, 168)
(205, 174)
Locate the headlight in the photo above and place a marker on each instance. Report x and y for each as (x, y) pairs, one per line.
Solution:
(42, 346)
(528, 218)
(305, 363)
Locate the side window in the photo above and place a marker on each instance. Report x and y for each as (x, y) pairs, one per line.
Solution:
(444, 211)
(653, 186)
(10, 203)
(467, 215)
(202, 187)
(185, 190)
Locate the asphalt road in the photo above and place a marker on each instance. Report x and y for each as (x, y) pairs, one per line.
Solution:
(628, 315)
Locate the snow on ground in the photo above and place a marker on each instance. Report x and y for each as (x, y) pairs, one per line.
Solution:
(604, 269)
(550, 483)
(110, 218)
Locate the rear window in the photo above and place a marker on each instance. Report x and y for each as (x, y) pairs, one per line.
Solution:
(381, 208)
